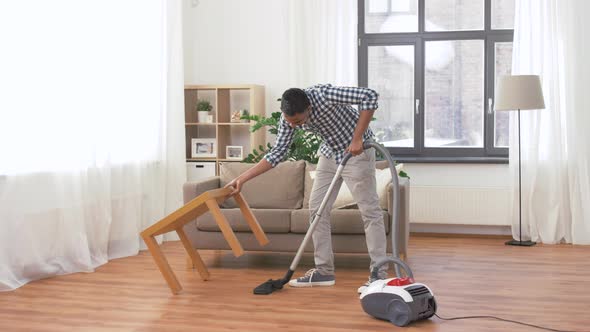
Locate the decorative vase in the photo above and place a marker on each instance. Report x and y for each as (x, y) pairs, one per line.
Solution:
(235, 116)
(203, 117)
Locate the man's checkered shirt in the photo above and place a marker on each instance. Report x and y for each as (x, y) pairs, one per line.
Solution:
(332, 117)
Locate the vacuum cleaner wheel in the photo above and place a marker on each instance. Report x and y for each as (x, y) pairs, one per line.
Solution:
(432, 305)
(398, 312)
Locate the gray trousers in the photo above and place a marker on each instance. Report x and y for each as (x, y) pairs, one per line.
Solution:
(359, 176)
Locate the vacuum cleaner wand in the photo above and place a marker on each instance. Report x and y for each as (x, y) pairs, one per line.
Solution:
(276, 284)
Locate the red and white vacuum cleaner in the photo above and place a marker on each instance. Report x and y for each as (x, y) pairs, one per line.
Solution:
(398, 300)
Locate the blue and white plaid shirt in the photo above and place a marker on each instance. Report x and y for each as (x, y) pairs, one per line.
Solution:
(332, 117)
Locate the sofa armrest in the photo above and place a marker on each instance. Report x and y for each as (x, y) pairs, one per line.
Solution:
(190, 190)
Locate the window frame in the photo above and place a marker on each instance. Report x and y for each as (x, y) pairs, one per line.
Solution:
(419, 153)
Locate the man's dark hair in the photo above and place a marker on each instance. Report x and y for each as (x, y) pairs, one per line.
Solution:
(294, 101)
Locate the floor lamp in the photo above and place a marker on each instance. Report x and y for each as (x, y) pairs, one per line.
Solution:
(519, 93)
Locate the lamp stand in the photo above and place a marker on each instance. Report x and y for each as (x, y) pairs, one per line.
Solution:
(519, 242)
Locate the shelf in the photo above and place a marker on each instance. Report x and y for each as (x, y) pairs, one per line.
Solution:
(214, 160)
(218, 123)
(225, 100)
(234, 123)
(215, 87)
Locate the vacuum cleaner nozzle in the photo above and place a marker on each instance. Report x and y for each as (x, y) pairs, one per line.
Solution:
(271, 285)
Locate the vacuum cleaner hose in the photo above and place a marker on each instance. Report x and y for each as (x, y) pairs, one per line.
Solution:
(396, 207)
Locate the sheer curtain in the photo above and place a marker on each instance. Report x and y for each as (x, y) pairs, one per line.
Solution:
(322, 42)
(549, 41)
(91, 134)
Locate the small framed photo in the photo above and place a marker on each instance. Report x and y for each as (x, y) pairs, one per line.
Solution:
(234, 152)
(203, 147)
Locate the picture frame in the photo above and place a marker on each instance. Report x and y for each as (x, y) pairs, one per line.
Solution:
(203, 148)
(234, 152)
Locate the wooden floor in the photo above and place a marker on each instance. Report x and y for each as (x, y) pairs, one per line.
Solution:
(543, 285)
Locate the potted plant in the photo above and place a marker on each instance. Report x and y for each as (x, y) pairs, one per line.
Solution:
(244, 116)
(203, 109)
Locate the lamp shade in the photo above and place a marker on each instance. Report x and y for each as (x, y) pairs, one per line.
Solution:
(519, 92)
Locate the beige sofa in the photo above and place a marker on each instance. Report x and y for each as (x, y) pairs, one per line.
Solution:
(279, 199)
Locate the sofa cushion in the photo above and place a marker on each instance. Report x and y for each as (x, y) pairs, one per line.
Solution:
(346, 221)
(279, 188)
(271, 220)
(381, 164)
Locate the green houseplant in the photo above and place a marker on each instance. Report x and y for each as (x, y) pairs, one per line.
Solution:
(203, 109)
(305, 145)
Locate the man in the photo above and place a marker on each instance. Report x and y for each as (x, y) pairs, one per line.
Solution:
(327, 111)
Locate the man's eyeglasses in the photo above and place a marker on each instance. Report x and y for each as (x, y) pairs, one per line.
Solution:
(301, 120)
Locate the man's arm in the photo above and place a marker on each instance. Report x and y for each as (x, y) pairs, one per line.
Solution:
(366, 99)
(356, 146)
(270, 160)
(282, 143)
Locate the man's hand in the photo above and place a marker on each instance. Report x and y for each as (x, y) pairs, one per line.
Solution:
(236, 185)
(356, 147)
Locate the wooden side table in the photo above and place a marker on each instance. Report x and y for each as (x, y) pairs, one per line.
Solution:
(207, 201)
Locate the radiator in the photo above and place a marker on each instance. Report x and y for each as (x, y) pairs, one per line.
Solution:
(460, 205)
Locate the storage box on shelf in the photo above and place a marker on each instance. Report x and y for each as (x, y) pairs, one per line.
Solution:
(207, 140)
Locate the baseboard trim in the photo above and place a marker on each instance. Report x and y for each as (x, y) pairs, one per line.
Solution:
(424, 229)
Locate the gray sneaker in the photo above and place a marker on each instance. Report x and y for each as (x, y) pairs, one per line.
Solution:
(313, 278)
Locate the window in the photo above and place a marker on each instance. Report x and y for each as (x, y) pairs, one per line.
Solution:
(435, 64)
(83, 97)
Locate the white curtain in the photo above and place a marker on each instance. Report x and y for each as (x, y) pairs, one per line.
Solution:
(91, 131)
(322, 42)
(550, 41)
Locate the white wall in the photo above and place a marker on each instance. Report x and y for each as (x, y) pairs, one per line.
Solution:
(237, 42)
(233, 42)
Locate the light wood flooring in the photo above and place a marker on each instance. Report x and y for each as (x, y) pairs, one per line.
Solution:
(542, 285)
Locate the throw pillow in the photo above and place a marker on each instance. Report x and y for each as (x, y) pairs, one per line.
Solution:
(279, 188)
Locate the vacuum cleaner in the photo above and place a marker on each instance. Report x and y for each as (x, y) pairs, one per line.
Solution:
(399, 300)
